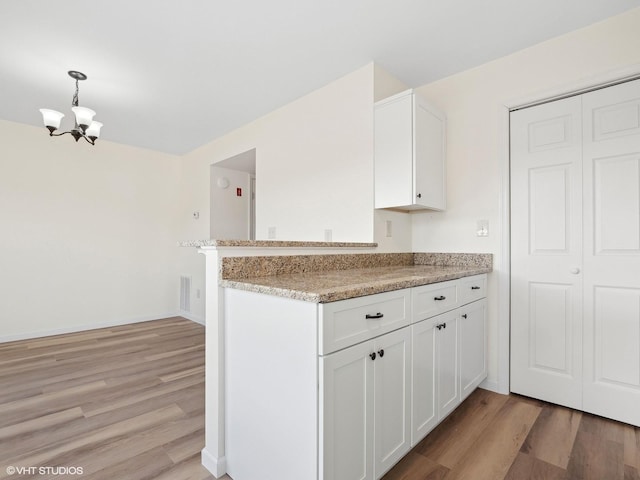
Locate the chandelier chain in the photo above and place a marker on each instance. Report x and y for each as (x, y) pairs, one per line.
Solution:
(74, 103)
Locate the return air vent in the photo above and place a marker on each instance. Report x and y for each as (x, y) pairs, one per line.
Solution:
(185, 293)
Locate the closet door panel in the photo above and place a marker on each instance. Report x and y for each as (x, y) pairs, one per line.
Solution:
(546, 249)
(611, 131)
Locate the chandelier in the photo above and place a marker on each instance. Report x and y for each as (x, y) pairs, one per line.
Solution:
(85, 126)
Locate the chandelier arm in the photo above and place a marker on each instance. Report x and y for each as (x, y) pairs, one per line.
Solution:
(88, 140)
(51, 134)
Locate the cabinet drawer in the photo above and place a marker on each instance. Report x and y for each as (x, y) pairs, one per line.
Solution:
(472, 288)
(351, 321)
(430, 300)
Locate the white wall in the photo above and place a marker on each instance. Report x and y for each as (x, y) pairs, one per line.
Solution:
(474, 102)
(314, 171)
(88, 234)
(229, 217)
(313, 165)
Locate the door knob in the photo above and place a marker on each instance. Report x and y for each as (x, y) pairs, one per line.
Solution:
(574, 270)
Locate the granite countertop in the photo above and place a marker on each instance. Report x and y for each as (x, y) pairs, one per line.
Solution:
(334, 285)
(274, 244)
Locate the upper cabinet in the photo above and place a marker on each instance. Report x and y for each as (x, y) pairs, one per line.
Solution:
(409, 154)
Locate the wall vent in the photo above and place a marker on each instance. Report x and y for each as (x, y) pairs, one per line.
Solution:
(185, 293)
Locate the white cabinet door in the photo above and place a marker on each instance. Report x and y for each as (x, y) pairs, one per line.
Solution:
(473, 346)
(546, 252)
(409, 147)
(346, 413)
(429, 156)
(393, 135)
(424, 410)
(611, 132)
(392, 404)
(447, 366)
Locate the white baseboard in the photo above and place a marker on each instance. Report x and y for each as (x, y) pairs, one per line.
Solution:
(82, 328)
(493, 386)
(193, 318)
(217, 466)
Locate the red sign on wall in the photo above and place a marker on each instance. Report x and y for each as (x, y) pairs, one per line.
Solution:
(238, 192)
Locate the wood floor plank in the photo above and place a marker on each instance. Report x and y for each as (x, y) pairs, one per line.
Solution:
(120, 401)
(528, 467)
(552, 437)
(40, 423)
(102, 456)
(598, 451)
(416, 467)
(188, 469)
(146, 466)
(631, 473)
(444, 445)
(492, 454)
(632, 446)
(47, 455)
(182, 448)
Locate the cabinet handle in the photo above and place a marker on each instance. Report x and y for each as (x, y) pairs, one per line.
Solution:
(419, 195)
(475, 288)
(381, 352)
(444, 325)
(441, 297)
(377, 315)
(464, 315)
(373, 355)
(439, 326)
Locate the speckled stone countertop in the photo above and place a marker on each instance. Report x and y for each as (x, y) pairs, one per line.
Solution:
(318, 278)
(273, 244)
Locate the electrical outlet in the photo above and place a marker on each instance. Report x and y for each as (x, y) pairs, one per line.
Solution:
(271, 233)
(482, 228)
(328, 233)
(389, 228)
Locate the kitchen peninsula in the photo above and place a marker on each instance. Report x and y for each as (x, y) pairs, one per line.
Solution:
(288, 317)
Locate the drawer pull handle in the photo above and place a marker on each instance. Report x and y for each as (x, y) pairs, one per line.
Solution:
(377, 315)
(464, 315)
(373, 355)
(444, 325)
(475, 288)
(381, 352)
(441, 297)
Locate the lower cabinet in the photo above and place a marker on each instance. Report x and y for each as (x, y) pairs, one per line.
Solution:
(473, 346)
(302, 403)
(435, 379)
(449, 361)
(365, 408)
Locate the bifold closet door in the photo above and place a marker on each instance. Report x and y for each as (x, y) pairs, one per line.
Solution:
(575, 243)
(611, 170)
(546, 252)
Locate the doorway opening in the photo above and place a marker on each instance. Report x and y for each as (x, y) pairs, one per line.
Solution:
(233, 197)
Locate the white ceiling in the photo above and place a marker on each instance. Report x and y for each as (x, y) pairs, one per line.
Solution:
(174, 75)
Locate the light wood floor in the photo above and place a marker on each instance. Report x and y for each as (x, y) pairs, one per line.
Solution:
(122, 403)
(128, 403)
(496, 437)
